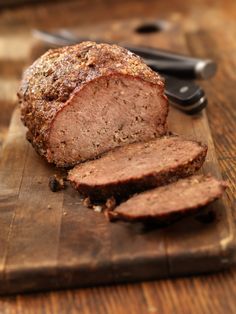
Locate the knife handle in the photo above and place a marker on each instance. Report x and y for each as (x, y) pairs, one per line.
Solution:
(185, 95)
(179, 69)
(202, 68)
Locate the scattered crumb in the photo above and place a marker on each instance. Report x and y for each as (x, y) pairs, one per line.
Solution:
(87, 202)
(64, 213)
(49, 207)
(110, 203)
(111, 215)
(97, 208)
(56, 183)
(108, 206)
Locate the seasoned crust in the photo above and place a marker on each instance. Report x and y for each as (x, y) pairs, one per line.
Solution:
(49, 82)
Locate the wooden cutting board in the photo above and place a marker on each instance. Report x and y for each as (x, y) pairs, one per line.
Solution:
(51, 241)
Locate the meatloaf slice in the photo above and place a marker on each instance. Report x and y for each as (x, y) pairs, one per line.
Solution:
(138, 167)
(171, 201)
(81, 101)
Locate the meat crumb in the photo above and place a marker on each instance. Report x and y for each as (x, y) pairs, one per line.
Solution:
(56, 183)
(108, 210)
(111, 215)
(108, 206)
(87, 202)
(97, 208)
(110, 203)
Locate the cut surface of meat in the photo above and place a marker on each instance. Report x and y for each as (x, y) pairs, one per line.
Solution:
(109, 112)
(81, 101)
(138, 167)
(171, 201)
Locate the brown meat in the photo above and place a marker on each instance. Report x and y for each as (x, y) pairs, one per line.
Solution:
(81, 101)
(172, 201)
(138, 167)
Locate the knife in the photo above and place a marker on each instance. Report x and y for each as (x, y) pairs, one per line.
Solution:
(163, 61)
(182, 94)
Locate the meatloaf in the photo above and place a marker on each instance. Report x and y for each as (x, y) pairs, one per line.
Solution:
(137, 167)
(81, 101)
(171, 201)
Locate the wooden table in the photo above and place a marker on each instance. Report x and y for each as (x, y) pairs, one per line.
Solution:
(210, 29)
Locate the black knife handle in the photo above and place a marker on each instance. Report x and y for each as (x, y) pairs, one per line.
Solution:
(180, 69)
(202, 68)
(185, 95)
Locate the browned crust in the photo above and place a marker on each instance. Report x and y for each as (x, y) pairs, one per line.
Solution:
(50, 82)
(171, 216)
(123, 189)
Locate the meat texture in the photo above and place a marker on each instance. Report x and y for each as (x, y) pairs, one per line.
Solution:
(81, 101)
(172, 201)
(138, 167)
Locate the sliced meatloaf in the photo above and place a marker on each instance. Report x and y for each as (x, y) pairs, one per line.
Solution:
(81, 101)
(171, 201)
(138, 167)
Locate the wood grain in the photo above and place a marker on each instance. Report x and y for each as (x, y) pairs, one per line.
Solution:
(209, 30)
